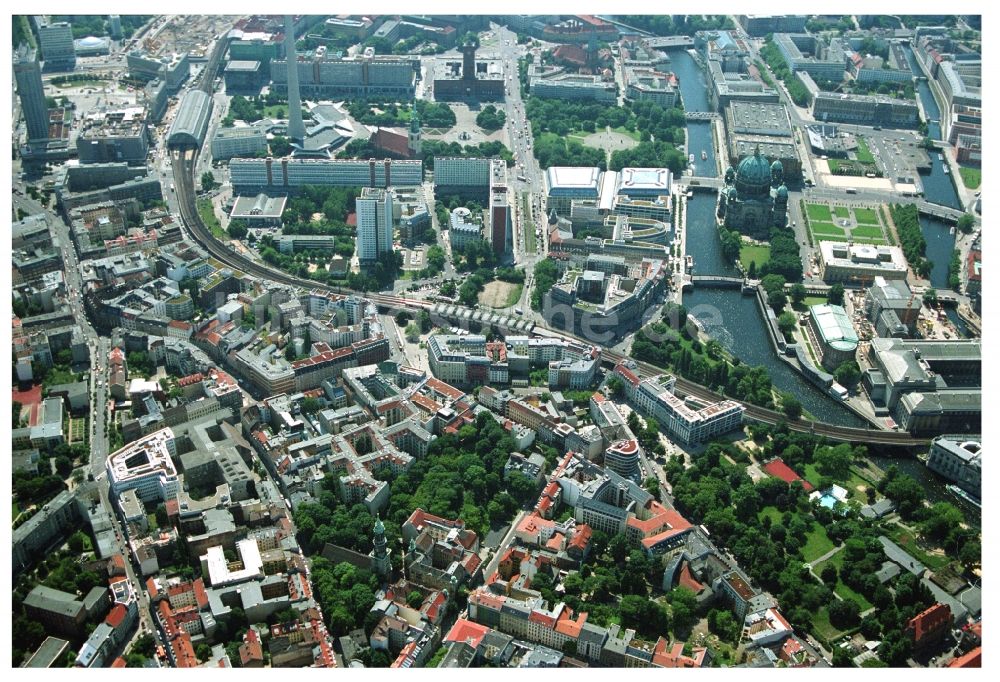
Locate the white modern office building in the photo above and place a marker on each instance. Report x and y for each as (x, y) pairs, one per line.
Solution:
(145, 466)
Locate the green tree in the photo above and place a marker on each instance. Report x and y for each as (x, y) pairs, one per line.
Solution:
(280, 146)
(966, 223)
(237, 229)
(836, 294)
(412, 332)
(618, 548)
(161, 516)
(208, 182)
(424, 320)
(930, 297)
(798, 293)
(683, 607)
(64, 465)
(848, 373)
(77, 542)
(844, 613)
(791, 406)
(786, 323)
(311, 405)
(834, 461)
(203, 652)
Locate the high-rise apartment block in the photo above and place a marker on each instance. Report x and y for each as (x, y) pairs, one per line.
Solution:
(56, 41)
(374, 210)
(32, 93)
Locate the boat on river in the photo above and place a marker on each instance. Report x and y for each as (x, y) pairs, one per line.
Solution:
(958, 492)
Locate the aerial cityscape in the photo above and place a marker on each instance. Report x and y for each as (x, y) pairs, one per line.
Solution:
(519, 341)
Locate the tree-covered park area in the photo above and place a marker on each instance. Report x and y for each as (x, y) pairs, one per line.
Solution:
(772, 55)
(390, 113)
(492, 149)
(669, 344)
(554, 121)
(821, 564)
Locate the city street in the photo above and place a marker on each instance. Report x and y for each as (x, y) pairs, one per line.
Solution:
(100, 348)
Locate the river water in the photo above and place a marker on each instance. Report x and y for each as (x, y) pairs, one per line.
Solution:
(939, 188)
(694, 94)
(736, 320)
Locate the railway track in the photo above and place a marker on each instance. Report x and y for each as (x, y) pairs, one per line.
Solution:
(184, 163)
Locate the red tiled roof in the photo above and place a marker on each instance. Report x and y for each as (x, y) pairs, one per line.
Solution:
(116, 616)
(778, 469)
(929, 622)
(581, 536)
(791, 647)
(467, 631)
(200, 596)
(119, 663)
(441, 387)
(392, 142)
(571, 53)
(569, 627)
(674, 656)
(251, 649)
(687, 580)
(627, 374)
(191, 379)
(184, 651)
(973, 659)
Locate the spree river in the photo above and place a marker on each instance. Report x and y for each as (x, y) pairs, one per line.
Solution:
(694, 94)
(736, 320)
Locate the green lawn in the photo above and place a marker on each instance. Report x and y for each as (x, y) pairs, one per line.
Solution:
(837, 560)
(840, 588)
(276, 111)
(14, 510)
(818, 212)
(841, 212)
(826, 229)
(756, 254)
(529, 226)
(866, 216)
(905, 539)
(864, 154)
(515, 295)
(813, 300)
(822, 627)
(870, 231)
(846, 592)
(817, 543)
(850, 485)
(207, 213)
(77, 430)
(972, 177)
(771, 512)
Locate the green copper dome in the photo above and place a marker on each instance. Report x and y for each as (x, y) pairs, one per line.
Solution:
(753, 175)
(783, 192)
